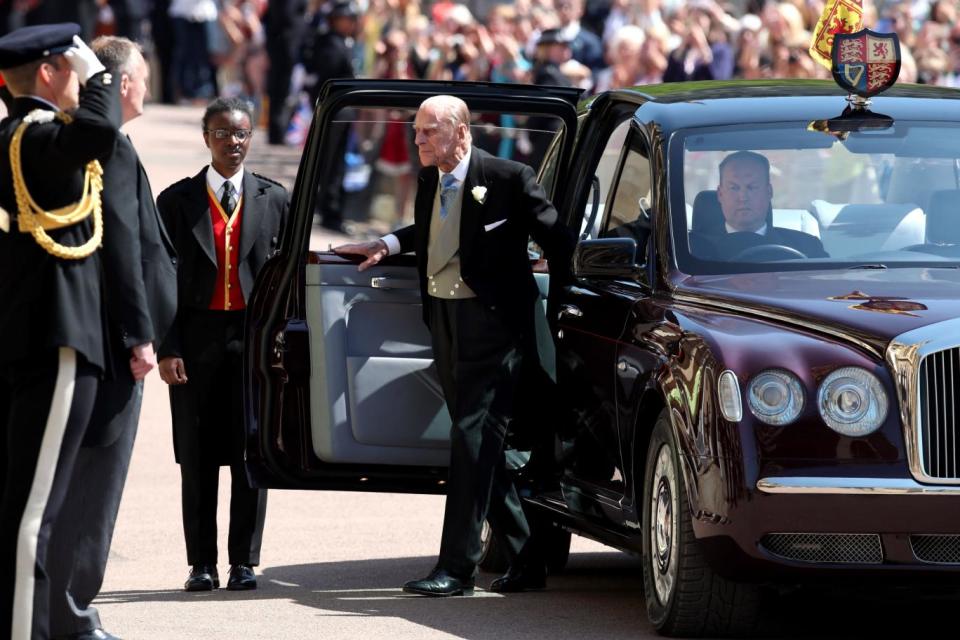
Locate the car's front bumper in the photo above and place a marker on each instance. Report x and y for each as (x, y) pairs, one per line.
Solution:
(806, 528)
(852, 486)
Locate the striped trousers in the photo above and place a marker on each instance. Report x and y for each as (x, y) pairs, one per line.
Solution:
(45, 405)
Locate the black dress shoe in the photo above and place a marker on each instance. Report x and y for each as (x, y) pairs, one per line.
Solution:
(521, 579)
(440, 583)
(203, 577)
(242, 578)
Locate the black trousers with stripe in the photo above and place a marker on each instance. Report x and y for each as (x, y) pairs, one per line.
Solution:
(478, 359)
(46, 406)
(80, 544)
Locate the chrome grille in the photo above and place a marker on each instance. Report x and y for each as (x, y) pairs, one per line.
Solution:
(937, 549)
(856, 548)
(939, 406)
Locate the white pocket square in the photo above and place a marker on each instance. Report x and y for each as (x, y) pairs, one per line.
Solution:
(493, 225)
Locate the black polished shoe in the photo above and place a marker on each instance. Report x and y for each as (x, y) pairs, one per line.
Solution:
(242, 578)
(530, 577)
(440, 583)
(203, 577)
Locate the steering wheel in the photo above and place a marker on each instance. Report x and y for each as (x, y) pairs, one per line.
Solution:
(768, 253)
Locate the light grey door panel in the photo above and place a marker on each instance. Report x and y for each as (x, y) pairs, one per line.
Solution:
(375, 396)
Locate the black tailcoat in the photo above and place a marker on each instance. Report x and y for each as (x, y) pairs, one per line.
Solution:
(493, 254)
(140, 273)
(185, 209)
(482, 345)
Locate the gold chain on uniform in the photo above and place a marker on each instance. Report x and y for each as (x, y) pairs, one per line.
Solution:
(34, 220)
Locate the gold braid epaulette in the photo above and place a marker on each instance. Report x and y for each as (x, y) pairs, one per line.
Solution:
(32, 219)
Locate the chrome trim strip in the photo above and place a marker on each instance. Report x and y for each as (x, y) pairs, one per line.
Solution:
(852, 486)
(904, 355)
(767, 314)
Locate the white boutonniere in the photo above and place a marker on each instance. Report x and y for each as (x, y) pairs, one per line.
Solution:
(479, 194)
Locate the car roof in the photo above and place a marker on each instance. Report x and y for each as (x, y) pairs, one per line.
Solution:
(674, 106)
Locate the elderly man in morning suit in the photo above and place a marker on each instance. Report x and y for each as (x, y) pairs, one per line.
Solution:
(474, 214)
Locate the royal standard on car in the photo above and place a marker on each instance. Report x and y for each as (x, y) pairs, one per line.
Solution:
(738, 419)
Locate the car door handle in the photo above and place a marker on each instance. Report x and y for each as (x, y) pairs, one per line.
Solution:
(393, 283)
(570, 310)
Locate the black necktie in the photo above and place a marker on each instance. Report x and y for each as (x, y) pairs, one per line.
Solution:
(228, 200)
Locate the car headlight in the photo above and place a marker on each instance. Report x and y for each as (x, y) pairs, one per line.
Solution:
(852, 401)
(775, 396)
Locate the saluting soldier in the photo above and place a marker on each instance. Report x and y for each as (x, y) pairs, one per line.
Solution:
(51, 327)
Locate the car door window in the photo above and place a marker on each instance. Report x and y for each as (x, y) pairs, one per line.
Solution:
(628, 210)
(605, 170)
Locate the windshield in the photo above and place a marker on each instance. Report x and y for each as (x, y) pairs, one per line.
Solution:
(786, 196)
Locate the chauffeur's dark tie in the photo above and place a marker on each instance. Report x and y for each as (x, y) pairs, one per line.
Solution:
(229, 198)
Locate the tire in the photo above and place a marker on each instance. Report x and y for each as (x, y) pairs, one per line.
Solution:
(554, 541)
(684, 597)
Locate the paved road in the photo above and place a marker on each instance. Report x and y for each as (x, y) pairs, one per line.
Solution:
(333, 562)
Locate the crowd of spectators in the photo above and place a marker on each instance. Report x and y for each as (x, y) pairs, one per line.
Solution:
(260, 48)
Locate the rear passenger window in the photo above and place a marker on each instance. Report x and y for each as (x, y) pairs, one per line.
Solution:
(629, 211)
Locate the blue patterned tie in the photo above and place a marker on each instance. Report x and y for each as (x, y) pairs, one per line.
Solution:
(448, 190)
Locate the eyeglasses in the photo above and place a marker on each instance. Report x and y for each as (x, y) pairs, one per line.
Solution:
(223, 134)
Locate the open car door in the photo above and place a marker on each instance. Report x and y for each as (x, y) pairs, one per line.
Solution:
(340, 391)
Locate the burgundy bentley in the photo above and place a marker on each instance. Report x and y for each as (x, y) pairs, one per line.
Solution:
(738, 417)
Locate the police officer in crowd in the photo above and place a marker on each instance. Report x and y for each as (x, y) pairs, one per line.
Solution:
(141, 297)
(53, 349)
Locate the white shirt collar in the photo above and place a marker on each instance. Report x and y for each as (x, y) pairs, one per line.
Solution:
(762, 231)
(460, 171)
(216, 181)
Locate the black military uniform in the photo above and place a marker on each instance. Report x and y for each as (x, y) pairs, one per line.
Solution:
(50, 311)
(328, 56)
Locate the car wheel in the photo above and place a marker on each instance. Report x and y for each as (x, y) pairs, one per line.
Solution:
(553, 541)
(684, 596)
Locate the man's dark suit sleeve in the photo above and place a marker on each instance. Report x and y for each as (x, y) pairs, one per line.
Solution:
(126, 295)
(546, 227)
(406, 238)
(168, 214)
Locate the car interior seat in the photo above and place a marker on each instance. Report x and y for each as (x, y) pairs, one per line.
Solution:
(943, 217)
(707, 215)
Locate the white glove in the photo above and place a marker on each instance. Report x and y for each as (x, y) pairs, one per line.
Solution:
(83, 60)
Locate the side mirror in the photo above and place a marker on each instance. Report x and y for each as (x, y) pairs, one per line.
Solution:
(606, 258)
